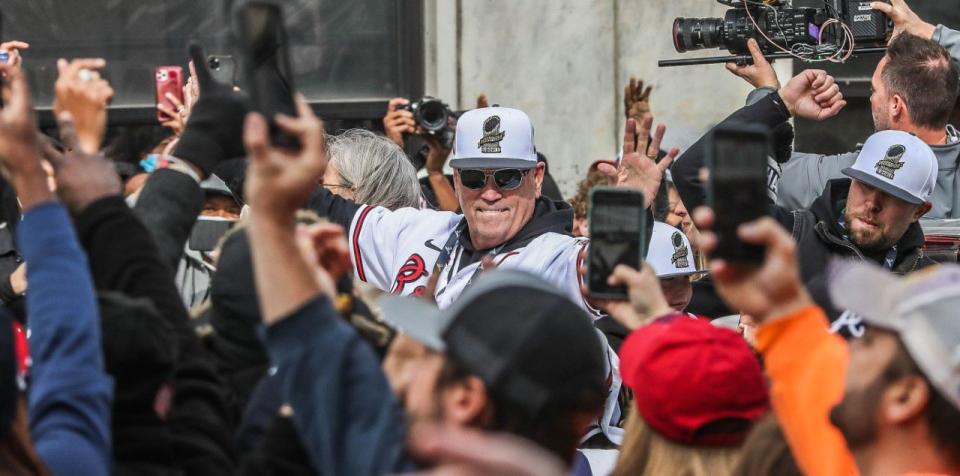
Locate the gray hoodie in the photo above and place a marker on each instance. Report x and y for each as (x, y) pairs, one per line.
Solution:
(804, 176)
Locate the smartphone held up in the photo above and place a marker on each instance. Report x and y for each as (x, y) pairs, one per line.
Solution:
(737, 189)
(618, 235)
(265, 61)
(169, 80)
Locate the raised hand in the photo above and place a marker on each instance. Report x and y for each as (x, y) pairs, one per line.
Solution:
(19, 149)
(280, 180)
(12, 48)
(177, 114)
(645, 297)
(324, 245)
(82, 178)
(772, 290)
(81, 91)
(638, 167)
(19, 141)
(398, 121)
(904, 19)
(636, 99)
(813, 94)
(760, 73)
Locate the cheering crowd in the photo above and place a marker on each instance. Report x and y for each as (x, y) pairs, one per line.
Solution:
(359, 317)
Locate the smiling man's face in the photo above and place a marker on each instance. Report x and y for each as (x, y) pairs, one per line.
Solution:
(494, 215)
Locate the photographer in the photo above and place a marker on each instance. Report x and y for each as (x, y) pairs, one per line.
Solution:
(400, 122)
(914, 87)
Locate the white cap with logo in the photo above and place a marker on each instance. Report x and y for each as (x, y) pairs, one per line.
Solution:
(494, 138)
(897, 163)
(670, 254)
(920, 308)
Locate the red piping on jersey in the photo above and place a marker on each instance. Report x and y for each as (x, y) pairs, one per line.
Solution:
(356, 244)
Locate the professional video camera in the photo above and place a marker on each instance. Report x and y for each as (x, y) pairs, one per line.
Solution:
(433, 116)
(809, 30)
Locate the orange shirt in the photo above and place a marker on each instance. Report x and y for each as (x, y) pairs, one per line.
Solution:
(807, 366)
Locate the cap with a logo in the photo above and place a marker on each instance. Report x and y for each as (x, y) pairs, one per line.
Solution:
(528, 343)
(897, 163)
(687, 375)
(494, 138)
(670, 254)
(920, 308)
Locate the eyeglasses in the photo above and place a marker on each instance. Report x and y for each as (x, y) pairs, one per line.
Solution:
(505, 179)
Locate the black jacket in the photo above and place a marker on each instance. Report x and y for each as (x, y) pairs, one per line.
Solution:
(820, 237)
(124, 258)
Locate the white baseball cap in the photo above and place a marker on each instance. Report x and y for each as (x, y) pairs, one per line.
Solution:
(897, 163)
(670, 254)
(494, 138)
(920, 308)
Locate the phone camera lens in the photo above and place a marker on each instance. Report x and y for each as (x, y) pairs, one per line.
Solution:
(214, 63)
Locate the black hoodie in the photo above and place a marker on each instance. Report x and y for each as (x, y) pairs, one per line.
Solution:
(820, 237)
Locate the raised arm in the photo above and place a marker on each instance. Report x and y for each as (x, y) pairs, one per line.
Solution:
(70, 395)
(812, 94)
(348, 418)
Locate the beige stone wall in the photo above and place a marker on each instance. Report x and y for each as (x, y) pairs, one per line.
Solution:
(565, 62)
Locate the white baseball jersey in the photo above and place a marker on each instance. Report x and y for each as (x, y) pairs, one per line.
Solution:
(397, 251)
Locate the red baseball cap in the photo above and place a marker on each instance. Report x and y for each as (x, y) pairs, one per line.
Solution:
(686, 374)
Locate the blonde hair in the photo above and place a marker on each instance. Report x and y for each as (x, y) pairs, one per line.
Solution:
(644, 451)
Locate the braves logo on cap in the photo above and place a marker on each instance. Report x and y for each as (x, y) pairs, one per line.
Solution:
(680, 252)
(890, 164)
(492, 135)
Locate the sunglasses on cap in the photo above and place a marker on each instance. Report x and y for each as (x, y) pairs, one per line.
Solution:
(505, 179)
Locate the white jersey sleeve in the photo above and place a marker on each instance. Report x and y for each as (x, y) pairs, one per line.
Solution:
(383, 241)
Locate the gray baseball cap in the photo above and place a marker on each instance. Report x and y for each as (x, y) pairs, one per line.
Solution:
(528, 342)
(921, 308)
(898, 163)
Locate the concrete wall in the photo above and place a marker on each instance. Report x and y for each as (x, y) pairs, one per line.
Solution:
(565, 62)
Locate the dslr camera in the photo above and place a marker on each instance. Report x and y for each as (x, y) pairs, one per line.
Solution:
(814, 30)
(433, 116)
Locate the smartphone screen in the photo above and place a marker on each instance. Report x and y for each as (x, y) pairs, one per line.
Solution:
(267, 70)
(169, 79)
(617, 236)
(738, 187)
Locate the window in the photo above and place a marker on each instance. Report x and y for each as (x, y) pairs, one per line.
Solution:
(348, 57)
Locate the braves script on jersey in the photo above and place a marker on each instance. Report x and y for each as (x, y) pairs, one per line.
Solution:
(397, 251)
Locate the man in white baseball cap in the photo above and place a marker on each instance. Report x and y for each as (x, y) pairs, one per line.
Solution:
(870, 216)
(671, 257)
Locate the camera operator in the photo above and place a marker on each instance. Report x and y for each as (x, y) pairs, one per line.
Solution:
(914, 89)
(437, 188)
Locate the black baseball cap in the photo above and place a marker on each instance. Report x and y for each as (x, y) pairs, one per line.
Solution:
(528, 343)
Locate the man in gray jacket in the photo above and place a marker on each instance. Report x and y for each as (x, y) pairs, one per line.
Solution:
(914, 89)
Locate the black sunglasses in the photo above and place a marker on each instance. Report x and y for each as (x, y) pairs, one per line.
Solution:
(505, 179)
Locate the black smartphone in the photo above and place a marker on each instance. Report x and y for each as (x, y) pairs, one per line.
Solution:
(268, 77)
(208, 231)
(223, 68)
(618, 235)
(737, 191)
